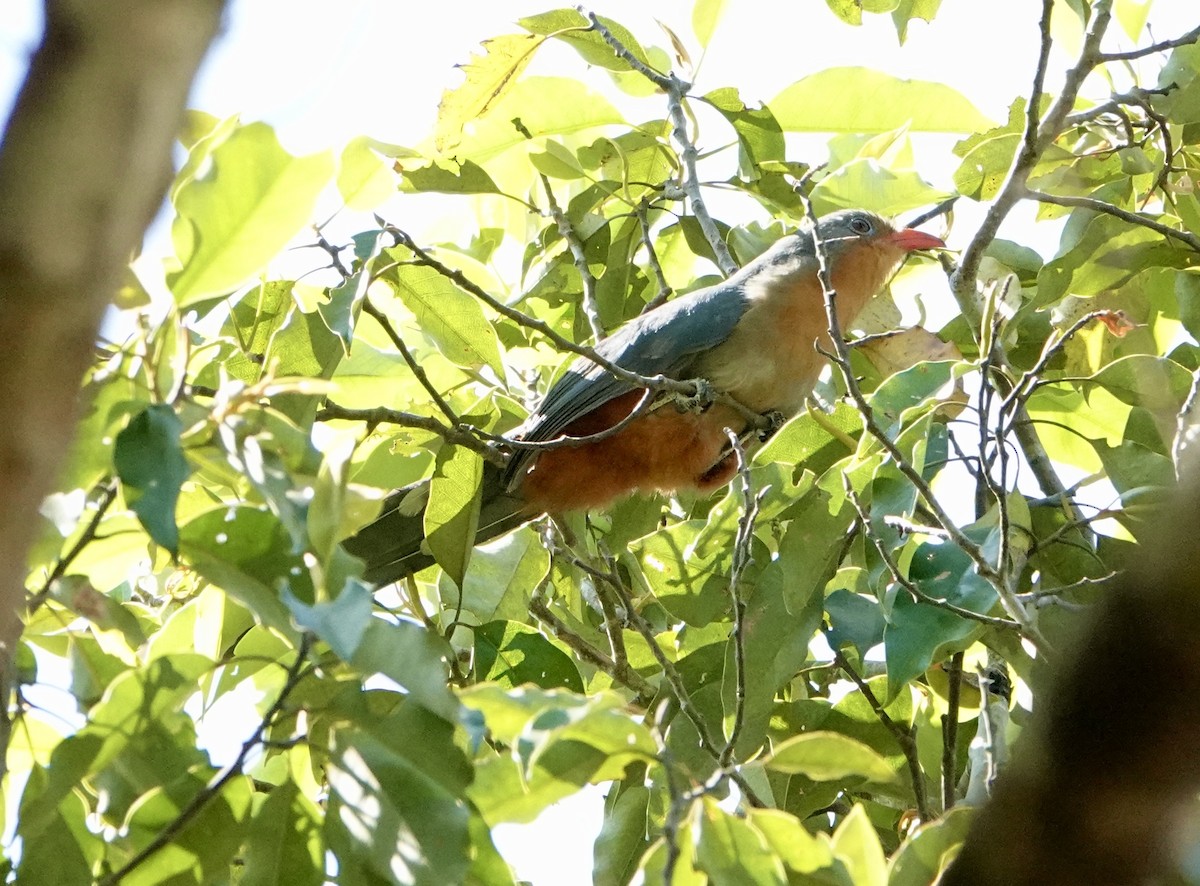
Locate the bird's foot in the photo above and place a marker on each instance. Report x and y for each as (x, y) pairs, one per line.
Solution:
(698, 402)
(772, 422)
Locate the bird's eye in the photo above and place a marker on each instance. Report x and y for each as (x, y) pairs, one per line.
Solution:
(861, 225)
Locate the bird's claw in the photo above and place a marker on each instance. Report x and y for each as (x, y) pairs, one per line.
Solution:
(773, 421)
(703, 398)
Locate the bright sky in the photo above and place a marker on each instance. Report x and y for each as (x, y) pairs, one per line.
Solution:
(323, 73)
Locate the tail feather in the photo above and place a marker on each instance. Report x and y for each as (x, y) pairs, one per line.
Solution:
(393, 544)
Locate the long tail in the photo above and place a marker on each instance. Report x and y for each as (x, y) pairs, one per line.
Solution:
(393, 544)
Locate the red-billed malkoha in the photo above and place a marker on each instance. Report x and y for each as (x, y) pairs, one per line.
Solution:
(755, 337)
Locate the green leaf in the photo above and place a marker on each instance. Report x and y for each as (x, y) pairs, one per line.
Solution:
(389, 821)
(759, 136)
(786, 838)
(850, 99)
(731, 850)
(451, 317)
(149, 460)
(511, 654)
(342, 622)
(248, 553)
(544, 106)
(850, 11)
(452, 515)
(691, 581)
(907, 10)
(414, 658)
(1132, 15)
(919, 633)
(573, 28)
(234, 220)
(502, 578)
(928, 852)
(622, 839)
(364, 179)
(705, 16)
(829, 756)
(464, 177)
(488, 78)
(284, 841)
(856, 844)
(60, 846)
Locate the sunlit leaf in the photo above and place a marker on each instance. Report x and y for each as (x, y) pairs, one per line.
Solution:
(826, 756)
(863, 100)
(234, 220)
(488, 77)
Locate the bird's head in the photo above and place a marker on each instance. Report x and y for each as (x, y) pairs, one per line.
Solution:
(850, 230)
(861, 248)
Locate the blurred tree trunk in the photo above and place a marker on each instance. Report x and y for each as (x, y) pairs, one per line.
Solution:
(1103, 779)
(84, 164)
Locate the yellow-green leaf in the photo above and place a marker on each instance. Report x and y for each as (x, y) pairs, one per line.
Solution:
(234, 220)
(364, 178)
(451, 317)
(852, 99)
(488, 78)
(453, 512)
(827, 756)
(705, 15)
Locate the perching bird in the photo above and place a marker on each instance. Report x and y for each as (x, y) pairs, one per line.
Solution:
(754, 337)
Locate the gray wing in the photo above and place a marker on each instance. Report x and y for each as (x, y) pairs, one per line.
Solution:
(664, 341)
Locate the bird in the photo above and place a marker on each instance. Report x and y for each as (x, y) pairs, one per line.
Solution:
(756, 337)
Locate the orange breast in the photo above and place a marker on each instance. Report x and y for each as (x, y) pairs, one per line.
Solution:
(665, 450)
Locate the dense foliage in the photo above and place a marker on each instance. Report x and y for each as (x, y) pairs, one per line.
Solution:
(954, 495)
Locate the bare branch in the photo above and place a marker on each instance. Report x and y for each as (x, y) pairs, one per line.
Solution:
(619, 671)
(903, 735)
(1187, 39)
(1186, 237)
(743, 542)
(1038, 137)
(590, 309)
(954, 675)
(413, 365)
(675, 89)
(460, 434)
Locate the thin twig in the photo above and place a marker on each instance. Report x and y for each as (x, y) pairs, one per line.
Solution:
(674, 680)
(590, 308)
(1037, 138)
(664, 289)
(1133, 218)
(108, 494)
(953, 671)
(620, 672)
(742, 556)
(413, 365)
(461, 434)
(1190, 37)
(903, 735)
(907, 583)
(675, 89)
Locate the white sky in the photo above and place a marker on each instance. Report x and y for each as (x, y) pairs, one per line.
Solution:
(324, 72)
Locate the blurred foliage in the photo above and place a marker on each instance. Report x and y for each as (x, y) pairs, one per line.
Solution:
(189, 591)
